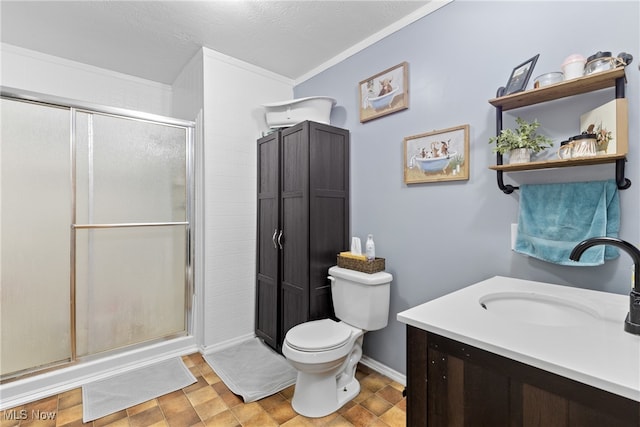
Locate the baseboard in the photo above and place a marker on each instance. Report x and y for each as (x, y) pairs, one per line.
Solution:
(384, 370)
(36, 387)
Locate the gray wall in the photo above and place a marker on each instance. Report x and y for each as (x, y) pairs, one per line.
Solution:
(440, 237)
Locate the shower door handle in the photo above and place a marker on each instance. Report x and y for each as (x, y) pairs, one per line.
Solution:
(280, 239)
(273, 238)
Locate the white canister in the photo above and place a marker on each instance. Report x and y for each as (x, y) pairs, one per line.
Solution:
(584, 145)
(370, 248)
(573, 66)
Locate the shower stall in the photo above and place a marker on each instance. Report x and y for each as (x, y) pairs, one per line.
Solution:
(95, 230)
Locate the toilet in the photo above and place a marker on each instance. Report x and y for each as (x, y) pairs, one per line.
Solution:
(325, 352)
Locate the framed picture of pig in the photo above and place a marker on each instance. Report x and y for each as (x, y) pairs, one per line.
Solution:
(441, 155)
(384, 93)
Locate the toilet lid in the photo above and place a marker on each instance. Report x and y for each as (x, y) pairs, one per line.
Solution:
(318, 335)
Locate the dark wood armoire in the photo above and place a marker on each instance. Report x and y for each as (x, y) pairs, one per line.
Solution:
(303, 223)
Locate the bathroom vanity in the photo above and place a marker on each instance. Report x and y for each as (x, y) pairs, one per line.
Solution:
(515, 352)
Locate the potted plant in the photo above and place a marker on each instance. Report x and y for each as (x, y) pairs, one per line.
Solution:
(521, 142)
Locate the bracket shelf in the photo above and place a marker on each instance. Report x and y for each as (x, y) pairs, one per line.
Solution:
(606, 79)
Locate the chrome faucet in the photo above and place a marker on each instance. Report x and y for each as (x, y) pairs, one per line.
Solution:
(632, 322)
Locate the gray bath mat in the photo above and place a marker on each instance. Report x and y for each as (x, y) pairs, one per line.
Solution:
(128, 389)
(252, 370)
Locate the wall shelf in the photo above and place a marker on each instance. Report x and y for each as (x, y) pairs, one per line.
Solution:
(559, 163)
(606, 79)
(560, 90)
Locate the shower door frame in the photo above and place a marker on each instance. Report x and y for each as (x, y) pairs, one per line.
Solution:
(74, 106)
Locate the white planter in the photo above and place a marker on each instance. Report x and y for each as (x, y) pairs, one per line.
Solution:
(519, 155)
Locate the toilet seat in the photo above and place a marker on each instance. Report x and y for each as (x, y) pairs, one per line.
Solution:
(318, 335)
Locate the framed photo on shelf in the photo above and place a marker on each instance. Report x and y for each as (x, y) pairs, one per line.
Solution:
(441, 155)
(520, 76)
(384, 93)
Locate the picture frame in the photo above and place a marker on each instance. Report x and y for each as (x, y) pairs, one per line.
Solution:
(440, 155)
(520, 76)
(384, 93)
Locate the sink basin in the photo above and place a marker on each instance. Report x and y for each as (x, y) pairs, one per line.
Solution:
(539, 309)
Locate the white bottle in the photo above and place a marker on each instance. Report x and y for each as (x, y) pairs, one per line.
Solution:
(370, 248)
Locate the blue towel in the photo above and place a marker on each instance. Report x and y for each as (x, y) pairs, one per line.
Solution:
(554, 218)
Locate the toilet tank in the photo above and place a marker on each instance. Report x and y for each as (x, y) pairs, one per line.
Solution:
(361, 299)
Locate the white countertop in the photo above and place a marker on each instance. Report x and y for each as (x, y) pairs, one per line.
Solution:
(597, 352)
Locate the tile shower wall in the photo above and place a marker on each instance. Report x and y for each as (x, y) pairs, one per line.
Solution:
(32, 71)
(228, 93)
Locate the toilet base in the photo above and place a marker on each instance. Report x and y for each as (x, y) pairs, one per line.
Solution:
(323, 388)
(323, 398)
(348, 392)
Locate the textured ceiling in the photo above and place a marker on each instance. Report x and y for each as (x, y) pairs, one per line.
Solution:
(155, 39)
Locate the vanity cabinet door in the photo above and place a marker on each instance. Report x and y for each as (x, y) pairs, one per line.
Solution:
(452, 384)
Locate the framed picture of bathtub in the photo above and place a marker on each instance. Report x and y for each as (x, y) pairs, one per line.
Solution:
(384, 93)
(441, 155)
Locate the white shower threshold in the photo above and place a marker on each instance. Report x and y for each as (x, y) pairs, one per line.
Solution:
(36, 387)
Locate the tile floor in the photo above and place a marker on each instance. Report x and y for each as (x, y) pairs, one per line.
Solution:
(208, 402)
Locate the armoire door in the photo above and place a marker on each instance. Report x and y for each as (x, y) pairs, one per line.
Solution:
(314, 212)
(267, 268)
(328, 211)
(294, 214)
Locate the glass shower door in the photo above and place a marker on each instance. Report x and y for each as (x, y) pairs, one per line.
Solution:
(131, 232)
(35, 196)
